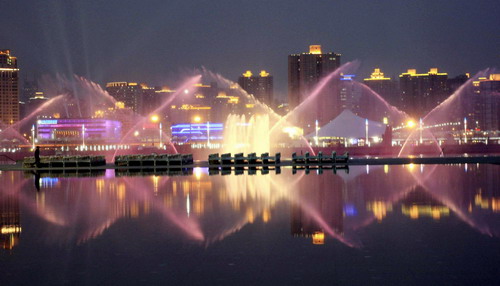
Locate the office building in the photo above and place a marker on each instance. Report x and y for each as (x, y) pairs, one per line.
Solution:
(9, 88)
(261, 86)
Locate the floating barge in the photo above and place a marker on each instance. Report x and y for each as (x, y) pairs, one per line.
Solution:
(154, 160)
(65, 162)
(239, 159)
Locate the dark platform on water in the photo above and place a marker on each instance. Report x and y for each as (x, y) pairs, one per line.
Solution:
(286, 163)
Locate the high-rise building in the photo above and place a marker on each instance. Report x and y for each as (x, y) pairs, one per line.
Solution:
(420, 93)
(261, 86)
(485, 102)
(305, 70)
(384, 86)
(9, 88)
(130, 93)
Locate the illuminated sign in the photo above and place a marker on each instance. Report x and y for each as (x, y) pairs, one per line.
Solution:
(47, 121)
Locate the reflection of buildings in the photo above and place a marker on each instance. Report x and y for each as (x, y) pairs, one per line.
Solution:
(10, 222)
(9, 88)
(317, 201)
(420, 93)
(261, 86)
(419, 204)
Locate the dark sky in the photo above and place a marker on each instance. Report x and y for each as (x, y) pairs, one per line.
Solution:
(156, 41)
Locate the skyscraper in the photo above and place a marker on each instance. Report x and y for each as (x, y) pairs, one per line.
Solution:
(130, 93)
(420, 93)
(9, 91)
(261, 86)
(384, 86)
(305, 70)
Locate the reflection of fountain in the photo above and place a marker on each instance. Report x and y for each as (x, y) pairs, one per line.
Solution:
(209, 208)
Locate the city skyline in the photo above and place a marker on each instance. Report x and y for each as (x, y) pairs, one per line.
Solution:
(160, 42)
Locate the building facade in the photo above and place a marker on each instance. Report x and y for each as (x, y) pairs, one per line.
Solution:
(261, 86)
(420, 93)
(9, 88)
(384, 86)
(305, 70)
(130, 93)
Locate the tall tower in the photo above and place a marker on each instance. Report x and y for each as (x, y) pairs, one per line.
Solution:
(384, 86)
(9, 88)
(261, 86)
(305, 70)
(420, 93)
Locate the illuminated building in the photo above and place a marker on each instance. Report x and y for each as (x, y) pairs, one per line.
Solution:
(9, 92)
(420, 93)
(197, 132)
(306, 69)
(78, 130)
(486, 103)
(261, 86)
(130, 93)
(34, 102)
(384, 86)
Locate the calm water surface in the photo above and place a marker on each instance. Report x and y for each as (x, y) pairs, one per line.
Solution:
(376, 225)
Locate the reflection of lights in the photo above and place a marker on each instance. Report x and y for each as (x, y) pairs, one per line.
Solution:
(266, 215)
(416, 211)
(379, 209)
(318, 237)
(188, 205)
(10, 229)
(350, 210)
(197, 173)
(411, 167)
(386, 169)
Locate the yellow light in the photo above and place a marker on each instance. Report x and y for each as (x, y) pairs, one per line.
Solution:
(154, 118)
(318, 237)
(410, 123)
(136, 133)
(386, 120)
(315, 49)
(197, 118)
(247, 74)
(263, 73)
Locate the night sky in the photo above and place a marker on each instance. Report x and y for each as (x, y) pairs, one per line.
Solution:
(159, 41)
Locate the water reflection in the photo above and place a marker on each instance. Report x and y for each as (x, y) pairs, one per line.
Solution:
(203, 208)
